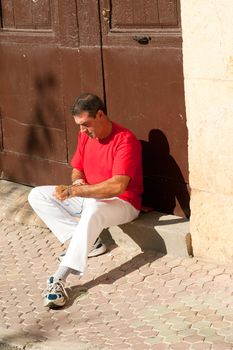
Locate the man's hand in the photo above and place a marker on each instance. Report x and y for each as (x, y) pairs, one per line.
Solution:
(62, 192)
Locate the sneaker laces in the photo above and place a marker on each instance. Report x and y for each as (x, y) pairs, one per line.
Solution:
(57, 287)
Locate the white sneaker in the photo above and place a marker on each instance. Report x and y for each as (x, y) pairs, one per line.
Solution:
(55, 294)
(98, 249)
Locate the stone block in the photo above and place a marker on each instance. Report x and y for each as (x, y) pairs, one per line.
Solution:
(207, 46)
(211, 226)
(208, 71)
(210, 109)
(15, 206)
(168, 234)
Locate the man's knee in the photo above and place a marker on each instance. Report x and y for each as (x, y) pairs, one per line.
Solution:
(41, 193)
(33, 195)
(93, 208)
(94, 214)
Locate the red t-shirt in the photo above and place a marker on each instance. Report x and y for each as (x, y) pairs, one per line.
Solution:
(117, 154)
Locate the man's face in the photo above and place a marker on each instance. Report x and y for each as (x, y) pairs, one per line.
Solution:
(91, 126)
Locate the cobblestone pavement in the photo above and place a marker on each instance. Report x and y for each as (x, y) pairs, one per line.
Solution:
(125, 300)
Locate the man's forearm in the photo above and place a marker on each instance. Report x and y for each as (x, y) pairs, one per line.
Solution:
(101, 190)
(107, 189)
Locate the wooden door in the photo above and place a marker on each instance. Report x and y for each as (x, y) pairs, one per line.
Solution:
(49, 54)
(143, 75)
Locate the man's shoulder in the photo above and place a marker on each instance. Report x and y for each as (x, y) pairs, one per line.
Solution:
(125, 139)
(123, 132)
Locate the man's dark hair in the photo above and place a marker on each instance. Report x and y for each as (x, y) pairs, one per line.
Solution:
(87, 102)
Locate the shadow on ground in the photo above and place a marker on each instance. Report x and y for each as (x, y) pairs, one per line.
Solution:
(112, 276)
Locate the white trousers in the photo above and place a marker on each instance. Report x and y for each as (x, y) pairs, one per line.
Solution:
(95, 215)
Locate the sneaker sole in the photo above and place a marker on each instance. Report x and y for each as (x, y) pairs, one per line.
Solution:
(51, 304)
(55, 303)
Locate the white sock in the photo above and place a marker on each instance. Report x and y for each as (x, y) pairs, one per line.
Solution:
(63, 272)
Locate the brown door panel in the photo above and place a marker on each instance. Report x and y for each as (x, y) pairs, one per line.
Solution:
(31, 90)
(143, 74)
(26, 14)
(33, 171)
(141, 14)
(34, 140)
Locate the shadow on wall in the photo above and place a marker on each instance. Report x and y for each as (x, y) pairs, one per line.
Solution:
(44, 114)
(44, 138)
(164, 183)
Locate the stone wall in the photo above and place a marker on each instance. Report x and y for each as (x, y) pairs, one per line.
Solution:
(207, 27)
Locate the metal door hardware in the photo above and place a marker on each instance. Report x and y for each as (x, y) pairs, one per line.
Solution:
(142, 39)
(106, 14)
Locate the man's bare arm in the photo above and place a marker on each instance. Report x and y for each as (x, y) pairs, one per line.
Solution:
(112, 187)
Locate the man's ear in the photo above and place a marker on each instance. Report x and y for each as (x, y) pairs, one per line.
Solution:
(100, 113)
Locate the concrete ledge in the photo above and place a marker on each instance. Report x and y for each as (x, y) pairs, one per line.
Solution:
(14, 204)
(168, 234)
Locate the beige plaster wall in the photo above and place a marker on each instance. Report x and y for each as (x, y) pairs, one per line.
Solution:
(207, 27)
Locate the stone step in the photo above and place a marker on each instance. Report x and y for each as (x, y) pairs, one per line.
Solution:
(167, 234)
(14, 204)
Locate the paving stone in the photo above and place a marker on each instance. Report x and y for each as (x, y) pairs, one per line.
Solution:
(193, 339)
(175, 320)
(222, 346)
(159, 346)
(179, 346)
(224, 311)
(228, 318)
(139, 346)
(201, 346)
(225, 331)
(216, 338)
(167, 332)
(137, 324)
(159, 309)
(180, 326)
(153, 340)
(201, 324)
(172, 339)
(207, 332)
(186, 332)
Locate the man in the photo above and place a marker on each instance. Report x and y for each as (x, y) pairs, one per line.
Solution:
(106, 191)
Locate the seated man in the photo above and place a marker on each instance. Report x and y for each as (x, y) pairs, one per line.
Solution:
(106, 191)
